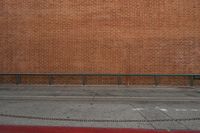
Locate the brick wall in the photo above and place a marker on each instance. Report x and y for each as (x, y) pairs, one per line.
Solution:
(100, 36)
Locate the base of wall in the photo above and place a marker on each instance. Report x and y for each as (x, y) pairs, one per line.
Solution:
(102, 80)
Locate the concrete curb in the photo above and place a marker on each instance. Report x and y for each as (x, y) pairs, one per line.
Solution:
(98, 98)
(48, 129)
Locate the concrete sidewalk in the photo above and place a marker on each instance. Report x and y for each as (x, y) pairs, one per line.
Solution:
(40, 105)
(100, 93)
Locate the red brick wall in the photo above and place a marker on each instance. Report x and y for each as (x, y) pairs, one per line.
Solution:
(100, 36)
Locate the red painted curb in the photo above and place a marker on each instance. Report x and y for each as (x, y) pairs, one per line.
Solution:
(46, 129)
(185, 131)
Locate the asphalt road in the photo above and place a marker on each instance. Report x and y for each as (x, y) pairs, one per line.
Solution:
(144, 113)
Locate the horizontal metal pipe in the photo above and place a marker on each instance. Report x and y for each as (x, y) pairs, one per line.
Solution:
(93, 74)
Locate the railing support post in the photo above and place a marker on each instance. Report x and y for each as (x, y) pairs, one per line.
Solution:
(192, 80)
(83, 80)
(50, 79)
(18, 79)
(156, 80)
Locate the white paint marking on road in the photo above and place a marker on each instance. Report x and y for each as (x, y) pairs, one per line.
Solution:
(181, 110)
(161, 109)
(164, 110)
(195, 110)
(137, 109)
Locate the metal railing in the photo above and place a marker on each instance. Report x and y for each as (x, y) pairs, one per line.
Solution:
(156, 77)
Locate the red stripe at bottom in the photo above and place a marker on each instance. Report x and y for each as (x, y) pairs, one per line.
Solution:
(45, 129)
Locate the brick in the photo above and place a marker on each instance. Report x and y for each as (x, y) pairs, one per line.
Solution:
(100, 36)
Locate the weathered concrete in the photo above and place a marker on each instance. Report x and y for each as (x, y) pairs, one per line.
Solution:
(102, 109)
(96, 93)
(119, 91)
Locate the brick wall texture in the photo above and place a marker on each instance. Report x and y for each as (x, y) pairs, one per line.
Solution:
(100, 36)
